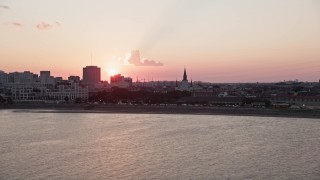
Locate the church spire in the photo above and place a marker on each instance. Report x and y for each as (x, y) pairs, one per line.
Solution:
(185, 75)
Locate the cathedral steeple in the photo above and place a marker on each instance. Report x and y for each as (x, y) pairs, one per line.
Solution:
(185, 75)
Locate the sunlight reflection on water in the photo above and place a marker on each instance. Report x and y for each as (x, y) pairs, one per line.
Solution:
(157, 146)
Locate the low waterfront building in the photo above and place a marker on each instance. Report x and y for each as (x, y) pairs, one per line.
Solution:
(69, 93)
(301, 101)
(212, 100)
(20, 92)
(26, 92)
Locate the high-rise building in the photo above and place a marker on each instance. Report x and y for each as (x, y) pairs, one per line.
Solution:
(91, 74)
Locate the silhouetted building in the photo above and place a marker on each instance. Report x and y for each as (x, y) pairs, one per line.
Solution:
(185, 78)
(72, 92)
(120, 81)
(45, 74)
(58, 79)
(74, 78)
(116, 78)
(91, 74)
(46, 78)
(21, 77)
(3, 78)
(35, 76)
(184, 84)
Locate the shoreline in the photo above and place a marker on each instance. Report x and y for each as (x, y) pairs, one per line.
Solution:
(148, 109)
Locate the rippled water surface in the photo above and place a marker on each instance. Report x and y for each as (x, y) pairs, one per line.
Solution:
(151, 146)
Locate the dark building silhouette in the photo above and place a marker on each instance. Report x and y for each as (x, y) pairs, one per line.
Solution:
(184, 84)
(91, 74)
(116, 78)
(185, 78)
(45, 73)
(121, 81)
(74, 78)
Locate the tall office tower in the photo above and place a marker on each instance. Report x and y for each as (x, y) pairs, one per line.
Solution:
(91, 74)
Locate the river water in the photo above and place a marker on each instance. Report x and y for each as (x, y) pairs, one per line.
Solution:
(46, 145)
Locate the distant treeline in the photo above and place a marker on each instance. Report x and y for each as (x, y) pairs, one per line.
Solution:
(123, 95)
(152, 97)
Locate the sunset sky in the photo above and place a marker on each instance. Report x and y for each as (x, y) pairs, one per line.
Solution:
(216, 40)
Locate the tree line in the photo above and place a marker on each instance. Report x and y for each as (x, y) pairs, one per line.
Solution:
(142, 96)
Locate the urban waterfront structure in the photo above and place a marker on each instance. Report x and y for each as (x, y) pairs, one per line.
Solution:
(184, 85)
(30, 87)
(91, 77)
(74, 79)
(120, 81)
(21, 77)
(91, 74)
(73, 91)
(46, 78)
(3, 78)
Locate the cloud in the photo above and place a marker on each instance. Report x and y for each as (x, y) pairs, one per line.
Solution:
(45, 26)
(134, 58)
(4, 7)
(147, 62)
(16, 24)
(58, 23)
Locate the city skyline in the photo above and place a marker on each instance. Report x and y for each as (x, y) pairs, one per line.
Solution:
(217, 41)
(95, 77)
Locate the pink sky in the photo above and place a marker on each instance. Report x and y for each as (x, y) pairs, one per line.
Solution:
(217, 41)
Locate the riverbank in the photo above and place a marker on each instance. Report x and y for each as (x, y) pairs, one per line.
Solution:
(157, 109)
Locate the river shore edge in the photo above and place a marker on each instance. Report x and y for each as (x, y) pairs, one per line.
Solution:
(157, 109)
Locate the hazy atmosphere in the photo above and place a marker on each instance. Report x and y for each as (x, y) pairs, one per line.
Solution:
(216, 40)
(159, 89)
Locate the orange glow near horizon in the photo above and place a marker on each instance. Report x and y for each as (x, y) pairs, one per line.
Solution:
(217, 41)
(112, 71)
